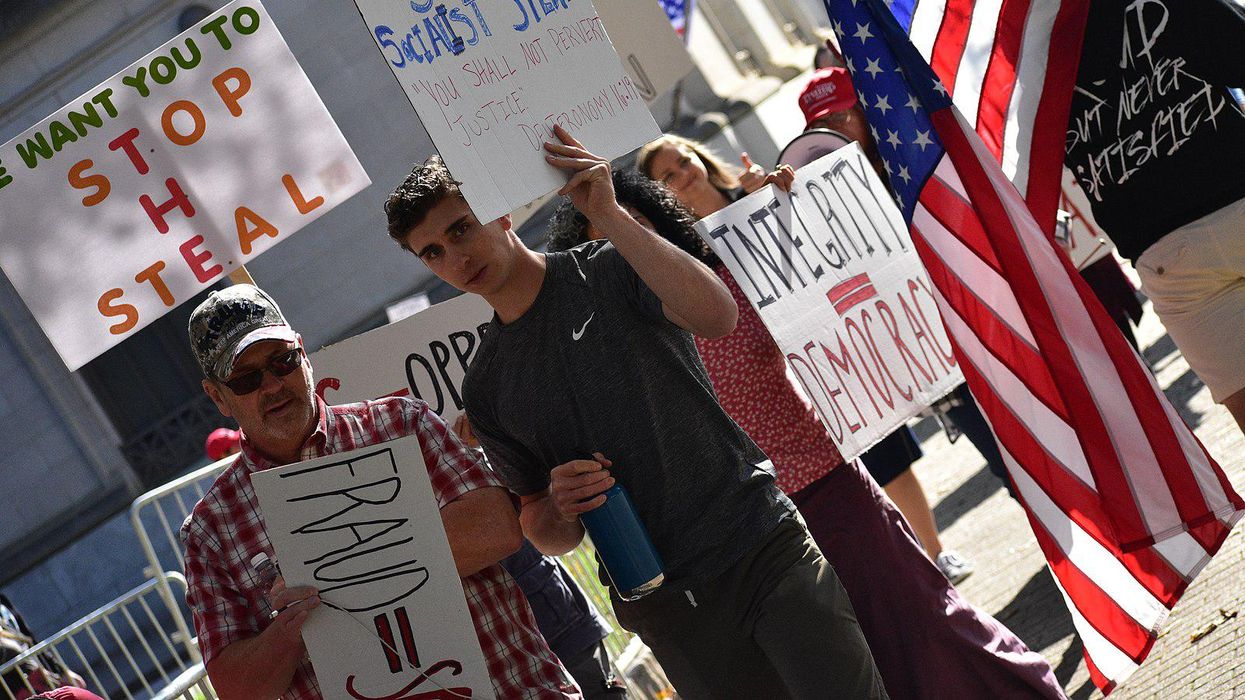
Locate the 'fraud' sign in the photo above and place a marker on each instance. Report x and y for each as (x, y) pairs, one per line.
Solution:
(165, 178)
(365, 529)
(833, 273)
(491, 78)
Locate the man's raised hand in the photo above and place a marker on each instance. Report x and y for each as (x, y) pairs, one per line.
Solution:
(591, 187)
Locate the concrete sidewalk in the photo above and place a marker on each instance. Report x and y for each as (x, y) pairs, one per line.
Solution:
(1201, 653)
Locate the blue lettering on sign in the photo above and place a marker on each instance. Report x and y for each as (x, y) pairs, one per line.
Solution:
(436, 31)
(547, 7)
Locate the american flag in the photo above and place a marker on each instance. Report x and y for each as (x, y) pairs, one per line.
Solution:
(1009, 66)
(1125, 502)
(679, 12)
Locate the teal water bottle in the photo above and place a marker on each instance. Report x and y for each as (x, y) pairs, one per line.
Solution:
(624, 546)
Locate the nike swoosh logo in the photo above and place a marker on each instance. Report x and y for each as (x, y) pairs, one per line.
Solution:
(576, 335)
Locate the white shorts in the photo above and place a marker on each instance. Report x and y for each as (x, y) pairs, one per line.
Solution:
(1195, 277)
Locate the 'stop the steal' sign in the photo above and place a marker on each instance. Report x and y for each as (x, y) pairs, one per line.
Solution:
(491, 78)
(164, 178)
(365, 529)
(833, 273)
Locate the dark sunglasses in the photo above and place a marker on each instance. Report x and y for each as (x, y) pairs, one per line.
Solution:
(280, 366)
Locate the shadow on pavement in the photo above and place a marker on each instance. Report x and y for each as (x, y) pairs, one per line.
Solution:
(1180, 392)
(1037, 615)
(965, 497)
(1159, 350)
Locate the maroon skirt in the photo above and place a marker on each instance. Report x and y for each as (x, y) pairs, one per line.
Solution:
(927, 641)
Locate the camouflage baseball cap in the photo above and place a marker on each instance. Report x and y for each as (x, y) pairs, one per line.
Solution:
(229, 321)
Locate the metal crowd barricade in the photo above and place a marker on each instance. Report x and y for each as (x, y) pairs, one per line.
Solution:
(130, 648)
(157, 519)
(630, 658)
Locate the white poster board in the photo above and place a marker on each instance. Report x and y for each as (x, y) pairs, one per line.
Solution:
(490, 79)
(425, 356)
(833, 273)
(651, 52)
(364, 528)
(165, 178)
(1078, 233)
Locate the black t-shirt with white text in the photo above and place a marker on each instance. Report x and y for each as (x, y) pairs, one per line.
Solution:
(1154, 138)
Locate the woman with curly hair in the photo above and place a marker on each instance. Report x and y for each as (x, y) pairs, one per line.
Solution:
(926, 640)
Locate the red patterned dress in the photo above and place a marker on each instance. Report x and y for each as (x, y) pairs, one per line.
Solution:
(750, 376)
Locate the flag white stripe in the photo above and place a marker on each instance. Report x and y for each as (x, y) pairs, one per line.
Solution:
(1048, 429)
(986, 284)
(1183, 553)
(1141, 468)
(1212, 491)
(1030, 77)
(970, 75)
(1111, 662)
(926, 21)
(1094, 560)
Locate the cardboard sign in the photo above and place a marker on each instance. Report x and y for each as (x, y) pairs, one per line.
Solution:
(365, 529)
(425, 356)
(651, 52)
(491, 78)
(832, 271)
(1077, 232)
(164, 179)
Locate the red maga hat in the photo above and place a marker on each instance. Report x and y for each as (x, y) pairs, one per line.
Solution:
(828, 91)
(220, 442)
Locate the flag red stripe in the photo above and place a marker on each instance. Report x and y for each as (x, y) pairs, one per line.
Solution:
(949, 208)
(1098, 609)
(952, 38)
(996, 89)
(997, 337)
(1089, 425)
(1106, 685)
(1051, 122)
(1176, 470)
(1081, 504)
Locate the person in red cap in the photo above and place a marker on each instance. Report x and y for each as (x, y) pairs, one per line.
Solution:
(222, 442)
(829, 102)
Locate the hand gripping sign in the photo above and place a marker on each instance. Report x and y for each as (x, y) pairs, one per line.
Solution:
(164, 179)
(832, 271)
(491, 78)
(364, 528)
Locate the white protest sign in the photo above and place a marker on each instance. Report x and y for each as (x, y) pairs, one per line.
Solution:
(425, 356)
(1078, 233)
(652, 53)
(364, 528)
(833, 273)
(491, 78)
(164, 179)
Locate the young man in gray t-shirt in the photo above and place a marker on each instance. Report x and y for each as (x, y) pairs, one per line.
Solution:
(587, 375)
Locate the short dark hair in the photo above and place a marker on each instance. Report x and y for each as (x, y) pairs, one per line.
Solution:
(428, 184)
(673, 221)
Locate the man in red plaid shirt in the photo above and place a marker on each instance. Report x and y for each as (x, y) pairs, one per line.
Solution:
(249, 627)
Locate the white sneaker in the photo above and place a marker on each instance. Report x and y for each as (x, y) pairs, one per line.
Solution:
(953, 566)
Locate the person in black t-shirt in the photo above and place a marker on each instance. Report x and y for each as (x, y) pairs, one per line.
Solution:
(587, 375)
(1157, 142)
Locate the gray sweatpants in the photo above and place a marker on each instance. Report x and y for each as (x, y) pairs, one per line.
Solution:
(777, 624)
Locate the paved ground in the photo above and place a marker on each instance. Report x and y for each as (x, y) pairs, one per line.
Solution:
(978, 519)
